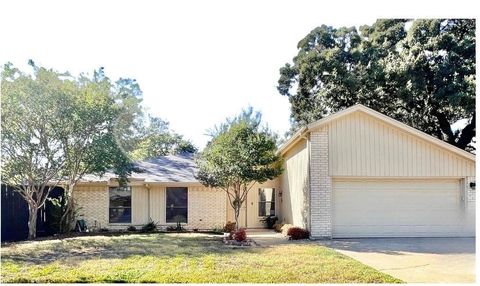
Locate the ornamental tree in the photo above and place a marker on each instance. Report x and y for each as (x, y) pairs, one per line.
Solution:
(241, 154)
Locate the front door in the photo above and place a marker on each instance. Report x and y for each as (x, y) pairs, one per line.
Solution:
(260, 204)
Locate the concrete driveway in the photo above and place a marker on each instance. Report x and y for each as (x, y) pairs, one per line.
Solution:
(447, 260)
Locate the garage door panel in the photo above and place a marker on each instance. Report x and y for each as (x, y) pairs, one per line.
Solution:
(398, 208)
(415, 198)
(399, 231)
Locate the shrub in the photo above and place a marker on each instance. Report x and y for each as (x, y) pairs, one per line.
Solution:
(229, 227)
(131, 228)
(295, 233)
(284, 229)
(177, 227)
(103, 229)
(278, 227)
(270, 221)
(149, 227)
(240, 235)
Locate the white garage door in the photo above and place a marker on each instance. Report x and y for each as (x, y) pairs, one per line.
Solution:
(399, 208)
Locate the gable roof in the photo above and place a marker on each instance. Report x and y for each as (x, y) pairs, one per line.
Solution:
(172, 168)
(386, 119)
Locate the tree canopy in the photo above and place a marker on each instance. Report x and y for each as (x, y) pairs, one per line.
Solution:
(57, 127)
(241, 153)
(423, 76)
(156, 139)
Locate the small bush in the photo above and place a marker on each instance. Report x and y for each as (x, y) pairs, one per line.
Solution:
(149, 227)
(270, 221)
(295, 233)
(284, 229)
(103, 229)
(240, 235)
(278, 227)
(229, 227)
(131, 228)
(177, 227)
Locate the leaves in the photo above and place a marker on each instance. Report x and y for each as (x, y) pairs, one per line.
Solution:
(424, 77)
(241, 153)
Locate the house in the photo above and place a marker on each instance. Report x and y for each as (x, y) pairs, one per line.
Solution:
(355, 173)
(165, 192)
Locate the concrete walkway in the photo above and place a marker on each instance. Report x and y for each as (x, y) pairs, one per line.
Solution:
(434, 260)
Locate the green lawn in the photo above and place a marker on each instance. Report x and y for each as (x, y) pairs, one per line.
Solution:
(178, 258)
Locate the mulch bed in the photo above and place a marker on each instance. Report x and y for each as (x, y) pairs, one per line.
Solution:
(233, 242)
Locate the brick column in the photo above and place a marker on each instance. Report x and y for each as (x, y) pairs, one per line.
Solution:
(470, 193)
(320, 186)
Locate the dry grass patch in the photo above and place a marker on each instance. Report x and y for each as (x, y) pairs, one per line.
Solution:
(178, 259)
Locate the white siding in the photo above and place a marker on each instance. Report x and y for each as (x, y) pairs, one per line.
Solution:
(295, 185)
(157, 204)
(361, 145)
(139, 205)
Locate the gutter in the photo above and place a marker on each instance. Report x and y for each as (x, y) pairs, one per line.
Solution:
(148, 200)
(300, 134)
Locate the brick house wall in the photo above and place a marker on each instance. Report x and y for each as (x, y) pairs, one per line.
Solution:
(206, 207)
(92, 201)
(320, 186)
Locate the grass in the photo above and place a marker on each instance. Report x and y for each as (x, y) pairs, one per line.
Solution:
(178, 258)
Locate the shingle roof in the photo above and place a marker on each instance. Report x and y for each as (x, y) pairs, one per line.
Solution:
(171, 168)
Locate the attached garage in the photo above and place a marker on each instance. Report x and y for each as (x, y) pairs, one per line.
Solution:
(368, 175)
(399, 208)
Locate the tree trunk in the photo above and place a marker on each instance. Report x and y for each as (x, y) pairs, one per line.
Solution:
(66, 219)
(237, 214)
(445, 127)
(467, 134)
(32, 221)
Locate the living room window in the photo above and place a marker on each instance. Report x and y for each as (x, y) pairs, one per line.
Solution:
(177, 204)
(120, 208)
(266, 202)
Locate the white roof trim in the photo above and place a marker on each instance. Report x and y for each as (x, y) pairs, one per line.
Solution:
(291, 141)
(317, 124)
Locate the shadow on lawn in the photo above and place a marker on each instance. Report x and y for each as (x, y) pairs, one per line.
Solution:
(118, 247)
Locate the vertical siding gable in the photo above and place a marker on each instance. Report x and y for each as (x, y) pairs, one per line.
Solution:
(362, 145)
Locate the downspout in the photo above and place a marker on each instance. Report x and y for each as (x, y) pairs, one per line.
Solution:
(306, 137)
(148, 201)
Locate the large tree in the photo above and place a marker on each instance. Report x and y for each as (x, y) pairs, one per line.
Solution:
(56, 128)
(91, 145)
(32, 131)
(241, 153)
(423, 76)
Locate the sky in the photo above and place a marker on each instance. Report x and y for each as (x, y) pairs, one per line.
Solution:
(197, 62)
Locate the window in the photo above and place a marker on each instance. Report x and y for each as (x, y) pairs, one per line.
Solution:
(266, 201)
(177, 205)
(120, 210)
